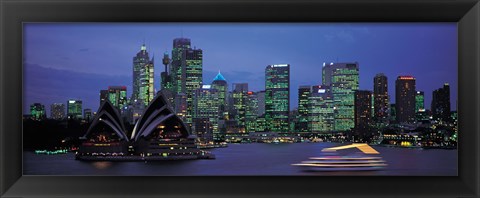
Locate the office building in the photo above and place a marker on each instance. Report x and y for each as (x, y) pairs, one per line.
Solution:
(381, 102)
(343, 79)
(205, 117)
(303, 94)
(277, 97)
(405, 92)
(441, 104)
(37, 111)
(321, 109)
(363, 109)
(57, 111)
(74, 109)
(143, 68)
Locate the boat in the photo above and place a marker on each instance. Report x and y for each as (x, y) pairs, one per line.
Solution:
(331, 160)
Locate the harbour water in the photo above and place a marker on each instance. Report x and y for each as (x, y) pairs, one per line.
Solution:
(249, 159)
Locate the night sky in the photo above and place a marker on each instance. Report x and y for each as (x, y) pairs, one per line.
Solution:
(76, 60)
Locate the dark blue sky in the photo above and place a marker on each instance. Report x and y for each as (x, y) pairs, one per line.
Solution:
(76, 60)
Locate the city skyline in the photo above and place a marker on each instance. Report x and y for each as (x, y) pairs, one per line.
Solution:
(43, 72)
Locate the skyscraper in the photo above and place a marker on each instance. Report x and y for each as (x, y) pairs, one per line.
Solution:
(74, 109)
(343, 80)
(57, 111)
(205, 117)
(441, 103)
(363, 109)
(220, 83)
(37, 111)
(405, 92)
(261, 103)
(419, 101)
(117, 95)
(321, 109)
(303, 95)
(186, 71)
(143, 76)
(277, 97)
(251, 112)
(239, 96)
(381, 102)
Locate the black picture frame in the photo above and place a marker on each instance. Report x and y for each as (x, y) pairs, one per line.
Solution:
(14, 12)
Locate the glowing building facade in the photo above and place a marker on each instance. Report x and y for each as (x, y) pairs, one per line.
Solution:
(343, 78)
(321, 109)
(303, 95)
(37, 111)
(205, 117)
(277, 97)
(143, 75)
(74, 109)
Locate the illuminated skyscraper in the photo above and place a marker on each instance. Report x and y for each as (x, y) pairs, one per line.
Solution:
(363, 109)
(441, 103)
(205, 117)
(239, 96)
(220, 83)
(37, 111)
(57, 111)
(277, 97)
(251, 112)
(143, 89)
(343, 80)
(405, 92)
(419, 102)
(117, 95)
(303, 95)
(186, 71)
(381, 102)
(74, 109)
(321, 109)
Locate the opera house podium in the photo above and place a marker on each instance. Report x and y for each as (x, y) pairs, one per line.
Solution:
(159, 134)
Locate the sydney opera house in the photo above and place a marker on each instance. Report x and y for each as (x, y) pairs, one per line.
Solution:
(159, 134)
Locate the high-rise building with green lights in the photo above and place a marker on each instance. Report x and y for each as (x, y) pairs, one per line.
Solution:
(186, 72)
(57, 111)
(321, 109)
(117, 95)
(277, 97)
(37, 111)
(205, 117)
(239, 98)
(343, 79)
(143, 89)
(74, 109)
(220, 83)
(303, 94)
(251, 112)
(419, 101)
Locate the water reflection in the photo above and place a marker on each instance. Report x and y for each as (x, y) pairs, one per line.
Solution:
(102, 165)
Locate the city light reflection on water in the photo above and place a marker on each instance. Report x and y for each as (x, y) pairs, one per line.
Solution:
(250, 159)
(102, 165)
